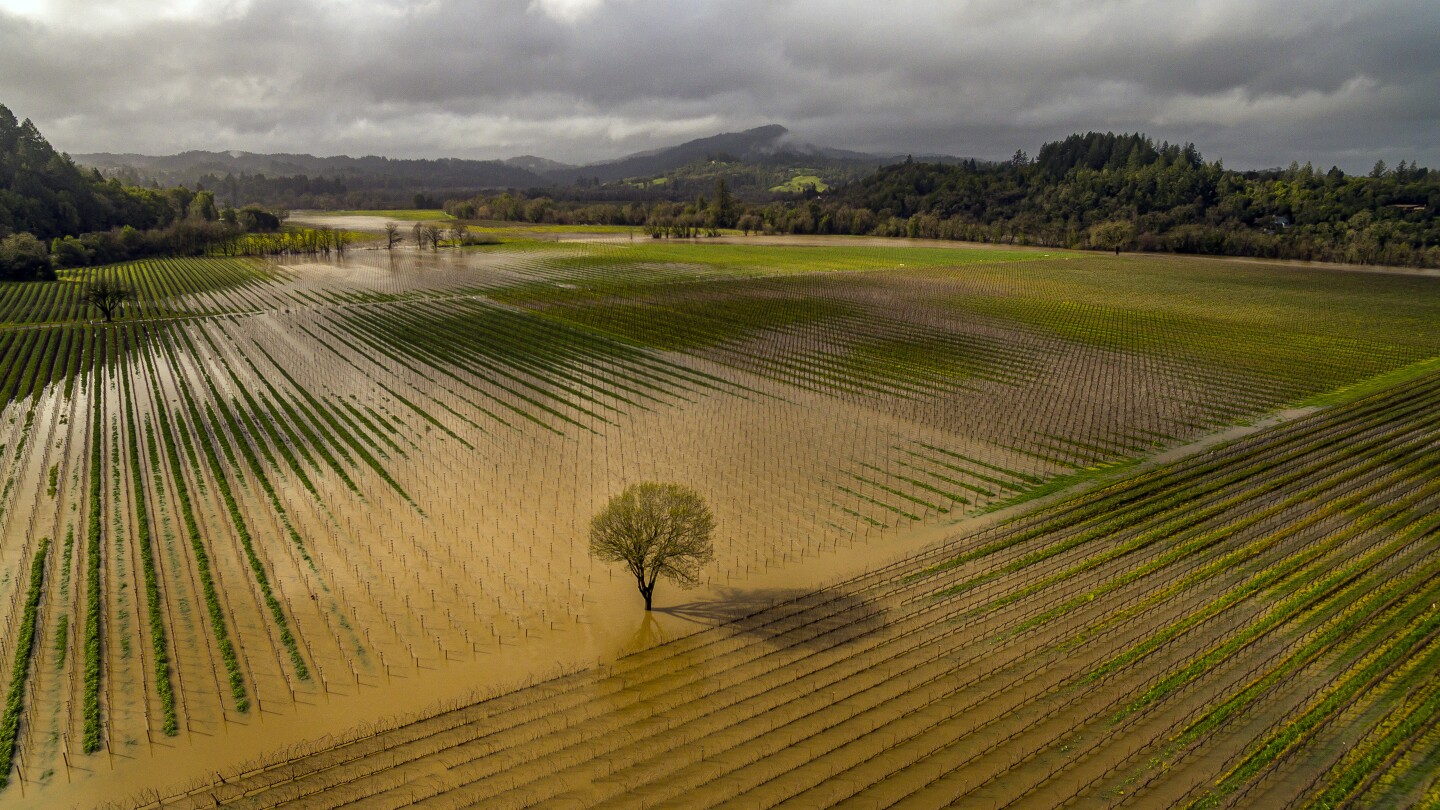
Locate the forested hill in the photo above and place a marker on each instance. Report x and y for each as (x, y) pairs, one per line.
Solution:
(752, 162)
(44, 193)
(241, 177)
(55, 214)
(1092, 190)
(1101, 190)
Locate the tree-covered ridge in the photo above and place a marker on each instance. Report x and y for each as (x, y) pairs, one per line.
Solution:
(1097, 190)
(1170, 196)
(43, 192)
(53, 213)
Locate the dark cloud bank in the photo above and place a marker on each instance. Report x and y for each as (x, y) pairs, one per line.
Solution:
(1255, 82)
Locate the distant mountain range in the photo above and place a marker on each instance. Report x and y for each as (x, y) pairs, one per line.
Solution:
(768, 145)
(187, 168)
(771, 147)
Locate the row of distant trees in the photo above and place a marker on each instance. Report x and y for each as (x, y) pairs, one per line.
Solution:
(252, 232)
(1097, 190)
(292, 241)
(54, 214)
(1167, 197)
(430, 234)
(197, 233)
(703, 216)
(719, 210)
(23, 257)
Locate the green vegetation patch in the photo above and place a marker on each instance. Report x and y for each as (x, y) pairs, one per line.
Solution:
(1294, 334)
(799, 183)
(1313, 300)
(925, 356)
(20, 669)
(789, 258)
(163, 288)
(349, 236)
(697, 323)
(1373, 385)
(631, 269)
(495, 226)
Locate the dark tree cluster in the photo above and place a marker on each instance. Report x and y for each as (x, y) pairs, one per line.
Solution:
(540, 208)
(53, 214)
(1105, 190)
(24, 258)
(1097, 190)
(305, 181)
(43, 193)
(698, 216)
(297, 191)
(191, 236)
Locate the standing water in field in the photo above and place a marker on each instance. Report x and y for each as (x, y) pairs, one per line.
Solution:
(282, 500)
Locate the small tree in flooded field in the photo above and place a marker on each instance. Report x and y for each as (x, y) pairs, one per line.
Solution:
(433, 234)
(107, 296)
(655, 530)
(392, 235)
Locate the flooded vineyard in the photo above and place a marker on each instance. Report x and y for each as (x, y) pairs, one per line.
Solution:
(274, 502)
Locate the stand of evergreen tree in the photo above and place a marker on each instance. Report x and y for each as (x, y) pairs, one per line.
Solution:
(53, 214)
(1099, 191)
(1167, 196)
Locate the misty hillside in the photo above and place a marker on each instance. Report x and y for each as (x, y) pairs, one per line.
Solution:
(189, 168)
(753, 161)
(769, 145)
(538, 165)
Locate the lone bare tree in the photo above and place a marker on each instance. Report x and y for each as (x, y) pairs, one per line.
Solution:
(433, 235)
(418, 232)
(460, 232)
(107, 296)
(655, 529)
(392, 235)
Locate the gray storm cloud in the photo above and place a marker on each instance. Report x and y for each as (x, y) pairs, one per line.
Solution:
(1258, 83)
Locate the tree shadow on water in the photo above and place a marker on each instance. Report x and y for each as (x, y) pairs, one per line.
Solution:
(787, 617)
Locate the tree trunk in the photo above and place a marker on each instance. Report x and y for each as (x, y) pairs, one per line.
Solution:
(646, 590)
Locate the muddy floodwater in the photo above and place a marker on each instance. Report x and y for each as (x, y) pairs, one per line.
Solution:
(305, 499)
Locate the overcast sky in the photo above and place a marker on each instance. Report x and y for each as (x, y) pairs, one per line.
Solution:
(1253, 82)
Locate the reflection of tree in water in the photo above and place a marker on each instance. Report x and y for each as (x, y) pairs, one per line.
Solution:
(648, 634)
